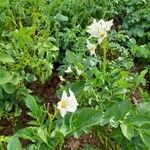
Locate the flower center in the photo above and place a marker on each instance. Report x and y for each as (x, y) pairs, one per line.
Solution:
(102, 33)
(63, 104)
(93, 48)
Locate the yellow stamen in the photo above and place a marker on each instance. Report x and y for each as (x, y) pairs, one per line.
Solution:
(63, 104)
(102, 33)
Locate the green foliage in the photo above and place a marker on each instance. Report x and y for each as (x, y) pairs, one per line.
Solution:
(8, 86)
(85, 118)
(44, 131)
(110, 91)
(111, 86)
(26, 47)
(6, 58)
(36, 111)
(135, 18)
(30, 48)
(14, 144)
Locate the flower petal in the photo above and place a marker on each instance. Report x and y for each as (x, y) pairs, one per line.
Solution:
(108, 25)
(64, 96)
(71, 102)
(59, 105)
(97, 27)
(91, 47)
(93, 29)
(71, 94)
(63, 112)
(100, 39)
(71, 105)
(61, 78)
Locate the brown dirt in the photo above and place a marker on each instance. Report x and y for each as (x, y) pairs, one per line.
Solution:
(139, 68)
(136, 97)
(86, 139)
(47, 92)
(24, 118)
(9, 125)
(147, 77)
(6, 127)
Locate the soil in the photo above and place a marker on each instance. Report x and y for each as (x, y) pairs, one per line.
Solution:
(85, 140)
(47, 92)
(139, 68)
(6, 127)
(136, 98)
(9, 125)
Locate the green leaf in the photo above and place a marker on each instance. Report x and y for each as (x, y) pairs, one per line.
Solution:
(14, 144)
(140, 77)
(42, 134)
(5, 76)
(114, 122)
(15, 79)
(144, 107)
(3, 138)
(124, 107)
(146, 128)
(1, 93)
(138, 31)
(70, 57)
(32, 105)
(6, 58)
(27, 133)
(144, 132)
(9, 88)
(30, 77)
(90, 147)
(146, 138)
(61, 17)
(141, 119)
(86, 117)
(127, 130)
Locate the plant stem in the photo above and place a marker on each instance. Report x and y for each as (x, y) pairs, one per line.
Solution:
(104, 61)
(104, 47)
(61, 144)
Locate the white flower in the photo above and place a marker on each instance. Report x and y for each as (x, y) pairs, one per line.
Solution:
(99, 29)
(61, 78)
(79, 72)
(67, 103)
(91, 47)
(69, 70)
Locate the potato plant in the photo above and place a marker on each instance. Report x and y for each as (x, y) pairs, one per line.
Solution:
(98, 53)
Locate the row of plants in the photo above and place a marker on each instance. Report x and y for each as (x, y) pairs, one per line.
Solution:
(103, 68)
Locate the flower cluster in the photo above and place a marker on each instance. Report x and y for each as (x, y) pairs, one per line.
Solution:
(98, 30)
